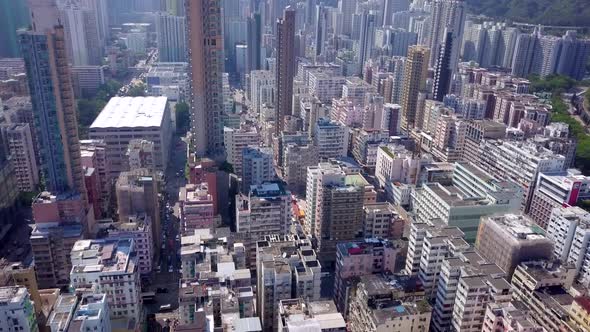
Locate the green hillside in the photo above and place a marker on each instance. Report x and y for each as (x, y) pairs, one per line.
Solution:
(548, 12)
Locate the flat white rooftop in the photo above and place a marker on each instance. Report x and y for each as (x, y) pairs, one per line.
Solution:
(131, 112)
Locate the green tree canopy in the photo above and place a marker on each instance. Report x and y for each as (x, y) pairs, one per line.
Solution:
(182, 117)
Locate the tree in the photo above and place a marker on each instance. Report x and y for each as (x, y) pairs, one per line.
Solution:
(182, 117)
(137, 90)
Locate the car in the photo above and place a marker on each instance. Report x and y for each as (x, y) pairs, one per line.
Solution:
(165, 307)
(161, 290)
(170, 269)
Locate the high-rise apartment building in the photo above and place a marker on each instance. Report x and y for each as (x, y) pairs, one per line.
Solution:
(414, 81)
(82, 26)
(358, 258)
(265, 209)
(171, 38)
(393, 6)
(375, 307)
(285, 71)
(85, 310)
(13, 16)
(206, 63)
(330, 139)
(137, 192)
(287, 267)
(322, 315)
(554, 190)
(60, 221)
(52, 95)
(19, 141)
(236, 140)
(254, 42)
(443, 69)
(569, 229)
(448, 16)
(519, 162)
(339, 213)
(394, 165)
(111, 267)
(467, 285)
(257, 167)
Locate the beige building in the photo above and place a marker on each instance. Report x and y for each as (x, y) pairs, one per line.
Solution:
(415, 71)
(510, 239)
(206, 62)
(137, 193)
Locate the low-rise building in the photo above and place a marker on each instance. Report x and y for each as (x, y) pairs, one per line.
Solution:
(85, 311)
(297, 314)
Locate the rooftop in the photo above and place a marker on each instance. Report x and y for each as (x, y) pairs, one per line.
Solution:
(108, 255)
(518, 226)
(12, 294)
(131, 112)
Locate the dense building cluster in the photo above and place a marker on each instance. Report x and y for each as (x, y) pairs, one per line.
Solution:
(291, 166)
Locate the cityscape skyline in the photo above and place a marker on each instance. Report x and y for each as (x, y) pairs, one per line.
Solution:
(293, 165)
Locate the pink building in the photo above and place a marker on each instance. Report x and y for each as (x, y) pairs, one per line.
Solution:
(345, 112)
(355, 259)
(139, 229)
(205, 171)
(197, 208)
(93, 189)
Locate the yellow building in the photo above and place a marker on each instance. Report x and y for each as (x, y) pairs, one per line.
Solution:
(580, 313)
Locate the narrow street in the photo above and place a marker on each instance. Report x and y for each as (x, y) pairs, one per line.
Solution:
(166, 279)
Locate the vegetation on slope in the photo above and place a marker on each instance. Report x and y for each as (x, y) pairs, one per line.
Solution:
(548, 12)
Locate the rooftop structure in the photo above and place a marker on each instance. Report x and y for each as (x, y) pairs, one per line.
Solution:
(126, 118)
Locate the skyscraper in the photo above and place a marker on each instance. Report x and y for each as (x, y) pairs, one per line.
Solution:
(83, 32)
(347, 8)
(254, 42)
(285, 66)
(52, 96)
(13, 16)
(367, 38)
(393, 6)
(415, 71)
(321, 29)
(171, 37)
(205, 45)
(449, 15)
(443, 70)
